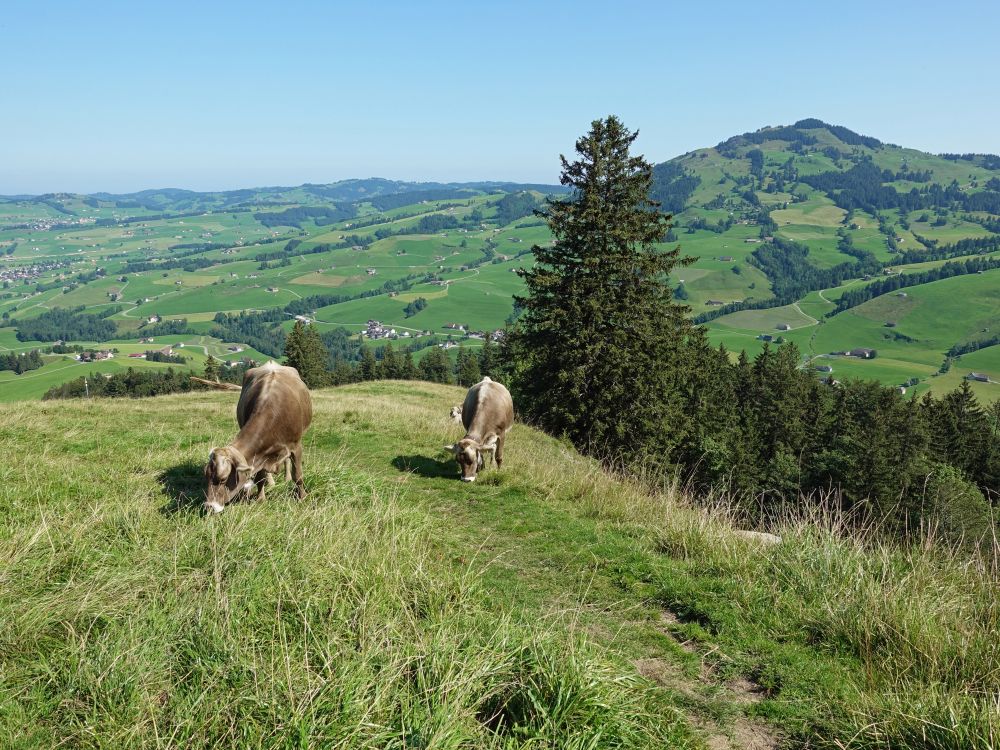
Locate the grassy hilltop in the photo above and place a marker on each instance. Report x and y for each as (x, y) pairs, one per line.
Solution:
(549, 605)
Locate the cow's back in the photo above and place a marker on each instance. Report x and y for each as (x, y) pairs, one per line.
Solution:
(277, 393)
(488, 407)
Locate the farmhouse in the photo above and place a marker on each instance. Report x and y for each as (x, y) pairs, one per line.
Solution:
(153, 318)
(726, 258)
(272, 289)
(714, 302)
(766, 337)
(137, 355)
(94, 356)
(824, 368)
(890, 324)
(980, 377)
(783, 327)
(862, 353)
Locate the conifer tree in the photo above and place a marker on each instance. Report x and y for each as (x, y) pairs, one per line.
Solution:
(436, 366)
(409, 368)
(600, 342)
(488, 357)
(211, 368)
(368, 369)
(391, 365)
(304, 350)
(467, 371)
(342, 372)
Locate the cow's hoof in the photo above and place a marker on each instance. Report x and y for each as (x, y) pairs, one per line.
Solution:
(468, 479)
(214, 508)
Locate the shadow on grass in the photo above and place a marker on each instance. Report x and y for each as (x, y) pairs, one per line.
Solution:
(184, 485)
(426, 467)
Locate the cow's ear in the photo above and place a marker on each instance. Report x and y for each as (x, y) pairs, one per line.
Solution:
(450, 448)
(221, 465)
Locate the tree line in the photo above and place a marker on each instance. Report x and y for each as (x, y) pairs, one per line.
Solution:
(320, 365)
(853, 297)
(68, 324)
(862, 187)
(19, 363)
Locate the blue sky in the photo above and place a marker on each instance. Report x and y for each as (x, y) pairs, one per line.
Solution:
(122, 96)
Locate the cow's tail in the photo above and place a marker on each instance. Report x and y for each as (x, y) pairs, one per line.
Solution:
(217, 385)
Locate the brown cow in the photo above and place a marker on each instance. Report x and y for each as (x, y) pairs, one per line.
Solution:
(273, 413)
(487, 413)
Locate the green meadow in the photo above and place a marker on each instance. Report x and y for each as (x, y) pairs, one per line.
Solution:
(549, 605)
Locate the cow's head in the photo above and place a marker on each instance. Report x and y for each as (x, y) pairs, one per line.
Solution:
(226, 475)
(469, 454)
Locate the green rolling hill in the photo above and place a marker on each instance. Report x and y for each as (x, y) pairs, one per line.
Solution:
(810, 233)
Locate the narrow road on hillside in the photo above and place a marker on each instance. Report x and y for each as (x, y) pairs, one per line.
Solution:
(799, 310)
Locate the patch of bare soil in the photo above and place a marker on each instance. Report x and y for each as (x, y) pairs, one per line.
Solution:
(743, 733)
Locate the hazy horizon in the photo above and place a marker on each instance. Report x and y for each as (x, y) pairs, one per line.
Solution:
(115, 97)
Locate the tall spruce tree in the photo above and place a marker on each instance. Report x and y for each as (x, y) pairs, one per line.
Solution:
(600, 342)
(304, 350)
(467, 369)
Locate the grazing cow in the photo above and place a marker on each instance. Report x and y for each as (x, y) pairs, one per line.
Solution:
(273, 413)
(488, 413)
(456, 414)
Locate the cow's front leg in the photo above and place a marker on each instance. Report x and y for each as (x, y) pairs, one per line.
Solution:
(260, 481)
(296, 462)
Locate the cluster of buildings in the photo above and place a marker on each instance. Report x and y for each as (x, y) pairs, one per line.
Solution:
(30, 273)
(375, 330)
(94, 356)
(166, 351)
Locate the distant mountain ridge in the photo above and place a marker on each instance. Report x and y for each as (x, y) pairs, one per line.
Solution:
(342, 191)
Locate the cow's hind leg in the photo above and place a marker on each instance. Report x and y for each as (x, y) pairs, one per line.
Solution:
(296, 461)
(498, 455)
